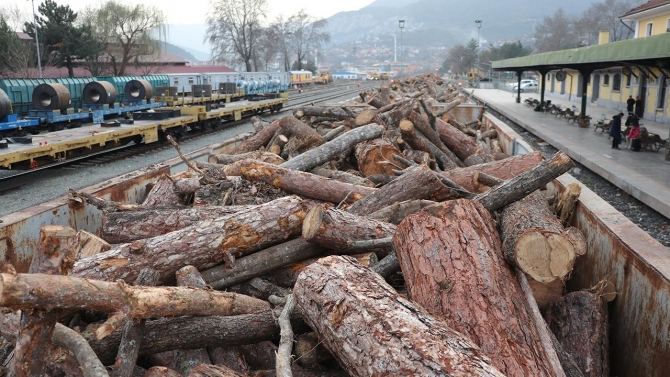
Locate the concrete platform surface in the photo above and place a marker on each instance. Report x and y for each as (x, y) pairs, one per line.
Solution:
(644, 175)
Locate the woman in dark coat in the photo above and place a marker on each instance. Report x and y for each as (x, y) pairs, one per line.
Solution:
(639, 107)
(615, 130)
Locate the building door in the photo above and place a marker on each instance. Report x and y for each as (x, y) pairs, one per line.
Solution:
(643, 90)
(596, 87)
(580, 82)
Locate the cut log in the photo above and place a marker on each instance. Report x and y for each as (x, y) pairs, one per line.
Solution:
(226, 159)
(202, 245)
(396, 212)
(567, 201)
(90, 244)
(331, 112)
(54, 255)
(303, 136)
(579, 321)
(534, 240)
(260, 355)
(186, 360)
(261, 262)
(88, 362)
(208, 370)
(462, 145)
(366, 117)
(309, 351)
(40, 291)
(128, 226)
(361, 320)
(416, 140)
(163, 193)
(194, 332)
(376, 157)
(133, 329)
(526, 182)
(229, 357)
(423, 124)
(336, 229)
(342, 176)
(259, 139)
(452, 263)
(578, 240)
(417, 182)
(334, 148)
(285, 349)
(504, 169)
(302, 183)
(546, 293)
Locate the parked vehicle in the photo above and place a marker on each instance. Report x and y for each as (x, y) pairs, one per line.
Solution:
(527, 87)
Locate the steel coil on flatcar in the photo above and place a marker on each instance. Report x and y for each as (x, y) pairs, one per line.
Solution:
(99, 93)
(51, 96)
(5, 104)
(137, 90)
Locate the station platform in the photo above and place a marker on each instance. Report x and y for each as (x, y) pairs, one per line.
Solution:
(645, 175)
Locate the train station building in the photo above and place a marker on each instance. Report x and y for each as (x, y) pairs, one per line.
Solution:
(609, 73)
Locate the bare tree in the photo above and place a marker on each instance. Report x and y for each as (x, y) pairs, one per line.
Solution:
(307, 35)
(461, 58)
(234, 28)
(128, 32)
(268, 47)
(284, 33)
(604, 16)
(556, 32)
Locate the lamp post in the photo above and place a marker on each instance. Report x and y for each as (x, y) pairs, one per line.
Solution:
(37, 42)
(479, 26)
(401, 24)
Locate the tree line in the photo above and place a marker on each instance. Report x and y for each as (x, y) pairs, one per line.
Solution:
(559, 31)
(111, 38)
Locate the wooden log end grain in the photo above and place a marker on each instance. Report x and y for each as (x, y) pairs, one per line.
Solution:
(544, 256)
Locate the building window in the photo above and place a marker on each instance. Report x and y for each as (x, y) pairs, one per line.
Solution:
(667, 26)
(606, 80)
(616, 82)
(662, 88)
(190, 80)
(629, 78)
(176, 81)
(649, 28)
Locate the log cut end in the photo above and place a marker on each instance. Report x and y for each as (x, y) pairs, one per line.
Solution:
(312, 223)
(545, 257)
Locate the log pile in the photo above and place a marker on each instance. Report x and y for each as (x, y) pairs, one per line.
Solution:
(391, 240)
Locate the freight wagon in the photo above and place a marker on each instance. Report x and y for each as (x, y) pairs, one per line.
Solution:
(617, 250)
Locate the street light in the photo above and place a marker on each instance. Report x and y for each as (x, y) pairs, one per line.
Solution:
(37, 42)
(479, 26)
(401, 24)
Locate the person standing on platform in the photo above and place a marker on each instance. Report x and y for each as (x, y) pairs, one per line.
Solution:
(639, 107)
(615, 130)
(630, 105)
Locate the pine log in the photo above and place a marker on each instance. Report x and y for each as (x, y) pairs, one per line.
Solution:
(302, 183)
(309, 351)
(578, 240)
(128, 226)
(260, 355)
(229, 357)
(342, 176)
(132, 333)
(504, 169)
(40, 291)
(304, 136)
(322, 111)
(526, 182)
(579, 321)
(396, 212)
(417, 182)
(376, 157)
(285, 348)
(423, 124)
(567, 201)
(202, 245)
(534, 240)
(194, 332)
(261, 262)
(336, 229)
(462, 145)
(260, 288)
(419, 157)
(451, 260)
(334, 148)
(362, 320)
(366, 117)
(416, 140)
(163, 193)
(54, 255)
(186, 360)
(226, 159)
(89, 363)
(90, 244)
(259, 139)
(208, 370)
(546, 293)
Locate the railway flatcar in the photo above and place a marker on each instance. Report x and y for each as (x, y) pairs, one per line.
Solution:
(245, 83)
(301, 78)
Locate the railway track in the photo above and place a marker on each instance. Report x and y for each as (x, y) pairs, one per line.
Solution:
(11, 181)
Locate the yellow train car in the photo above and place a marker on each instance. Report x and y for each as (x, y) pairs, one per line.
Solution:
(301, 78)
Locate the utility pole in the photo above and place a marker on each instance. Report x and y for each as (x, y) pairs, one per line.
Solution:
(479, 48)
(37, 42)
(401, 24)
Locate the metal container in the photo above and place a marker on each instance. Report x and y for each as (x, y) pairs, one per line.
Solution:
(99, 93)
(202, 90)
(166, 91)
(52, 96)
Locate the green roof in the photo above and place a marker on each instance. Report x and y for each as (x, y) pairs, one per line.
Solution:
(652, 51)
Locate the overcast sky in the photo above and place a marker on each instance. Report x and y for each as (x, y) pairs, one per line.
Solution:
(195, 11)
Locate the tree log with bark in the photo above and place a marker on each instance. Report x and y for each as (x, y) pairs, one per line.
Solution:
(362, 320)
(376, 157)
(259, 139)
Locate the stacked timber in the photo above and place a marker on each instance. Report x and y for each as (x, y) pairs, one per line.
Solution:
(389, 238)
